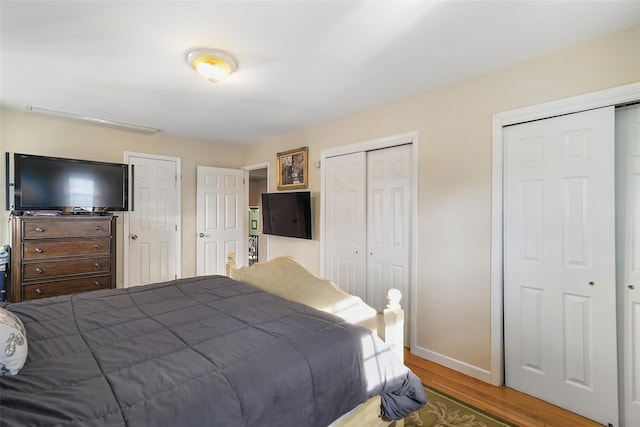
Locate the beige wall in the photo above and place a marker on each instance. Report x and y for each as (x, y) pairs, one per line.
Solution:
(454, 125)
(36, 134)
(454, 177)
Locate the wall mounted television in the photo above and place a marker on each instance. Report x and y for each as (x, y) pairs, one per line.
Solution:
(287, 214)
(69, 185)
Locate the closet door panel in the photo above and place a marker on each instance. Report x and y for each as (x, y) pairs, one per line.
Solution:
(628, 240)
(388, 213)
(559, 262)
(345, 219)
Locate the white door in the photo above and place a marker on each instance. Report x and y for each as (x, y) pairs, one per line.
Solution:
(345, 216)
(388, 224)
(220, 219)
(559, 262)
(153, 232)
(628, 196)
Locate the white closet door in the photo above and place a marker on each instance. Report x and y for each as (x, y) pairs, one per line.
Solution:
(559, 262)
(388, 224)
(628, 228)
(345, 216)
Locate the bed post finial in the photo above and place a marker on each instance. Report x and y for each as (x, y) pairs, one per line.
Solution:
(393, 298)
(231, 263)
(391, 323)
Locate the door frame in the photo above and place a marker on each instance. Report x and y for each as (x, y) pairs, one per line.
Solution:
(178, 210)
(607, 97)
(376, 144)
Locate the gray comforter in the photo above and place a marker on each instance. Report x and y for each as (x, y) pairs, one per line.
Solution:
(206, 351)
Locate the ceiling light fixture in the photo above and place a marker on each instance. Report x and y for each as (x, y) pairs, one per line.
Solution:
(211, 64)
(96, 120)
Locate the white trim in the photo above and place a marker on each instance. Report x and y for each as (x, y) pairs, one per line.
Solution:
(178, 207)
(387, 142)
(248, 168)
(614, 96)
(456, 365)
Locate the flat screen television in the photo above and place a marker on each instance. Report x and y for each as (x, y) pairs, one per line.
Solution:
(287, 214)
(69, 185)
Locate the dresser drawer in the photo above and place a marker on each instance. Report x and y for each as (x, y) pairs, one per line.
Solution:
(64, 248)
(47, 269)
(43, 229)
(63, 287)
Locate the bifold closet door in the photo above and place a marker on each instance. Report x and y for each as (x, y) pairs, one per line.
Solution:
(368, 217)
(628, 241)
(559, 262)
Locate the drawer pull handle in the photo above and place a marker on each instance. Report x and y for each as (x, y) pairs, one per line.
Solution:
(96, 283)
(38, 270)
(39, 230)
(97, 246)
(38, 291)
(38, 250)
(97, 265)
(97, 228)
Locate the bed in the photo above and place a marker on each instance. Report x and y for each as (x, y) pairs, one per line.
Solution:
(213, 350)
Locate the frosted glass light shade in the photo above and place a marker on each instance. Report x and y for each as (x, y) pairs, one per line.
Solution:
(211, 64)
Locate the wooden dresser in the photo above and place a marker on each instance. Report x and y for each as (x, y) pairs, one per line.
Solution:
(61, 255)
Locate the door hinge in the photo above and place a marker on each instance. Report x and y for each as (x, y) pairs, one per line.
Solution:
(176, 227)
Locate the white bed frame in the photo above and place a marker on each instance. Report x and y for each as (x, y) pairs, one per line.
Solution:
(288, 279)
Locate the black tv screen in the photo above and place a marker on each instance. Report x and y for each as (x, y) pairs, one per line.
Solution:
(287, 214)
(68, 184)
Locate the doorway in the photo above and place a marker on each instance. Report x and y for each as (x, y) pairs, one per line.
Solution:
(258, 250)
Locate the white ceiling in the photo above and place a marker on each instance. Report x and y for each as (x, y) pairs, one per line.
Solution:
(300, 63)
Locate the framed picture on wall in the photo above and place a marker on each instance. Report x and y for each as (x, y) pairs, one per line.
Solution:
(293, 169)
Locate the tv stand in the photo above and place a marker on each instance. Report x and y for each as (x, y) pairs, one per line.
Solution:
(64, 254)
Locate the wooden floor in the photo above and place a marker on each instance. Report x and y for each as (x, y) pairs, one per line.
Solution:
(504, 402)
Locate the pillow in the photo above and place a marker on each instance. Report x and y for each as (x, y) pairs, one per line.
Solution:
(13, 343)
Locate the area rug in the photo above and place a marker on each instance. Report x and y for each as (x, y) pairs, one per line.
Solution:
(446, 411)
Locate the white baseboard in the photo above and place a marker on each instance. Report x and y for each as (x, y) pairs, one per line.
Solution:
(456, 365)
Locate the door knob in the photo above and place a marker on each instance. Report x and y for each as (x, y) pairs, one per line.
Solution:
(201, 234)
(134, 236)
